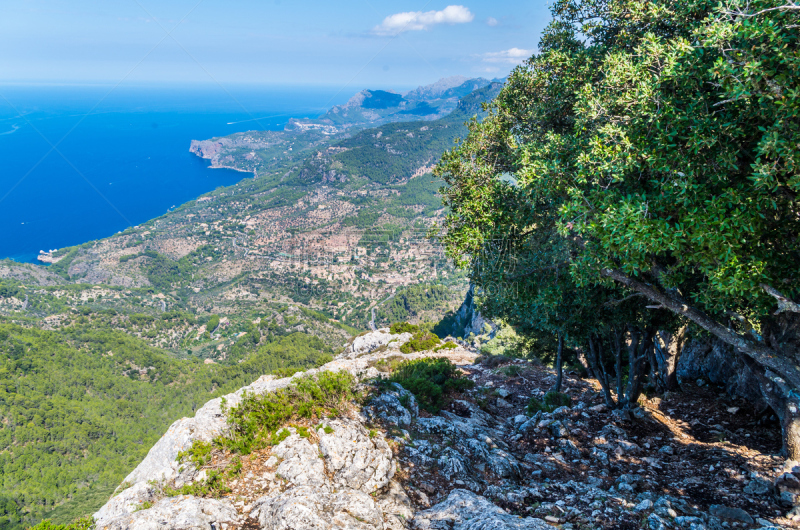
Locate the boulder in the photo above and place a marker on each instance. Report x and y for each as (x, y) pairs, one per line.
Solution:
(734, 514)
(176, 513)
(464, 510)
(373, 340)
(396, 407)
(356, 459)
(308, 508)
(300, 464)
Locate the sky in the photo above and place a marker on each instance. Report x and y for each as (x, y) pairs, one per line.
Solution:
(361, 44)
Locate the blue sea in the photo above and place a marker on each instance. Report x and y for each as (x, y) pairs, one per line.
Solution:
(83, 162)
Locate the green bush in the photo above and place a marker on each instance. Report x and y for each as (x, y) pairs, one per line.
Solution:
(421, 341)
(449, 345)
(429, 380)
(255, 421)
(403, 327)
(551, 401)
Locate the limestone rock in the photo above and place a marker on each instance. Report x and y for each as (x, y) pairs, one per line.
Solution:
(396, 502)
(464, 510)
(125, 502)
(726, 512)
(307, 508)
(389, 406)
(355, 459)
(453, 464)
(372, 341)
(301, 464)
(176, 513)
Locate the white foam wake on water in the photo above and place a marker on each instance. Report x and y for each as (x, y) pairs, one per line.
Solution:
(14, 129)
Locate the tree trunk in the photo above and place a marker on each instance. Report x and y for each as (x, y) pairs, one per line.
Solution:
(618, 366)
(596, 362)
(638, 351)
(760, 353)
(559, 363)
(670, 355)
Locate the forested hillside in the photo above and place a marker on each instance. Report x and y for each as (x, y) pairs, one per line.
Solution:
(82, 406)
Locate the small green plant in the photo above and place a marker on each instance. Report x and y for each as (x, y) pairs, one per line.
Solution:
(326, 428)
(213, 486)
(550, 402)
(280, 436)
(449, 345)
(405, 400)
(122, 487)
(236, 466)
(199, 453)
(429, 379)
(302, 431)
(373, 433)
(512, 371)
(144, 505)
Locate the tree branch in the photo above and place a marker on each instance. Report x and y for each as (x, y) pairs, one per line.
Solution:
(617, 302)
(765, 356)
(784, 303)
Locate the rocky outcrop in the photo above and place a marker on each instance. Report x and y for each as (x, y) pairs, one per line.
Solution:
(464, 510)
(481, 463)
(369, 342)
(341, 480)
(468, 320)
(177, 513)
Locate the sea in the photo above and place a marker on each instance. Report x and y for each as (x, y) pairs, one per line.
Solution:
(80, 163)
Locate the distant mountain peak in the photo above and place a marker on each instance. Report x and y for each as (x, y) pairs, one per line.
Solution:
(437, 88)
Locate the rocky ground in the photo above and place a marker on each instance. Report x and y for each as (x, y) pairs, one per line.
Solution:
(692, 460)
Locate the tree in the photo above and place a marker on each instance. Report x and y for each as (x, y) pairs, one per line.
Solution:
(657, 143)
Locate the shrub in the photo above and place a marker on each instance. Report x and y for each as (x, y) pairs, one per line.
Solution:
(387, 364)
(255, 421)
(403, 327)
(551, 401)
(213, 486)
(429, 379)
(449, 345)
(421, 341)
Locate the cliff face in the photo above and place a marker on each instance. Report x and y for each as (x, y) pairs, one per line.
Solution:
(468, 320)
(483, 462)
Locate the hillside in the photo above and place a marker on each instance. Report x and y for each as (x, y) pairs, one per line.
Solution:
(82, 405)
(272, 274)
(442, 438)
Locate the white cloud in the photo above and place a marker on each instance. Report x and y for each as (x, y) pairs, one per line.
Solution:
(418, 20)
(513, 56)
(491, 21)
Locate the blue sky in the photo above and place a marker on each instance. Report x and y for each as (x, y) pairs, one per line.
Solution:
(375, 43)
